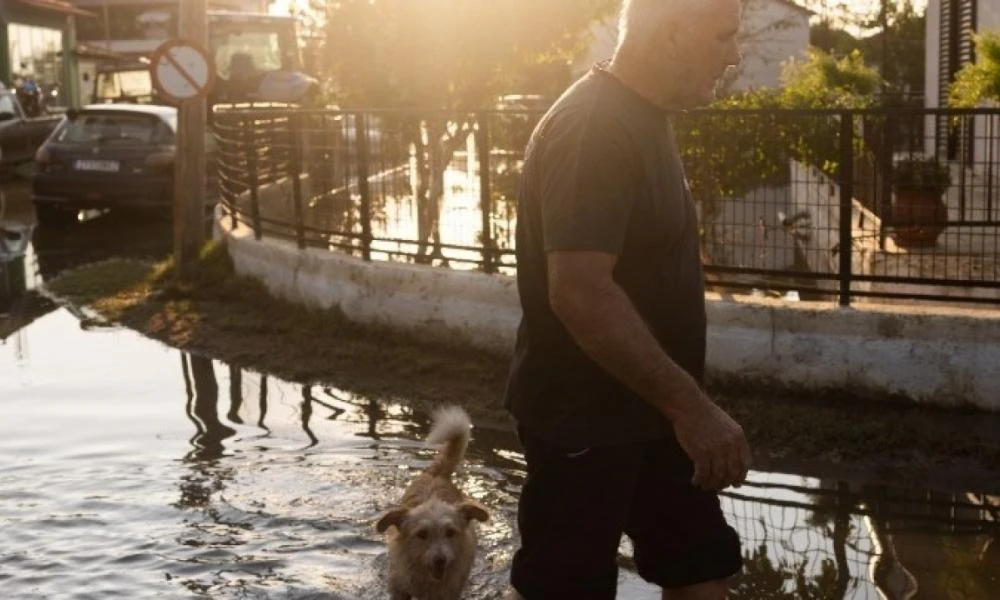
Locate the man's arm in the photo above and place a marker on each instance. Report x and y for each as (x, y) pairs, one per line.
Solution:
(603, 321)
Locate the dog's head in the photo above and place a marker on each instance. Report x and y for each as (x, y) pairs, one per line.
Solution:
(432, 534)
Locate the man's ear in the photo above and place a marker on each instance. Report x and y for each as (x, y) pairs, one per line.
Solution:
(393, 518)
(470, 509)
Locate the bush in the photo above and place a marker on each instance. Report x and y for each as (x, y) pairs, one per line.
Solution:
(747, 139)
(978, 81)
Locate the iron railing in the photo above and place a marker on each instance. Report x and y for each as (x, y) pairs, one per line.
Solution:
(798, 202)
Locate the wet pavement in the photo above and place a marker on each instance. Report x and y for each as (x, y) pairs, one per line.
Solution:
(130, 469)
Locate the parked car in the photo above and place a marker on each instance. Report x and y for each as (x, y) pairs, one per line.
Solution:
(109, 156)
(22, 131)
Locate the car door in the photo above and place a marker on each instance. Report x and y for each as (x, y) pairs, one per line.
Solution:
(38, 129)
(13, 131)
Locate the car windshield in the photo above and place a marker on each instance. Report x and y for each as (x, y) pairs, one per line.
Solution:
(110, 128)
(258, 51)
(124, 84)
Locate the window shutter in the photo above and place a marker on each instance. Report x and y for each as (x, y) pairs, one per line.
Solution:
(958, 23)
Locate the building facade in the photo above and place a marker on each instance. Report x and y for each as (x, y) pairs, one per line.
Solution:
(772, 33)
(33, 36)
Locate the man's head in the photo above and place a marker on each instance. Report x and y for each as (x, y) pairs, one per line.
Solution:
(679, 48)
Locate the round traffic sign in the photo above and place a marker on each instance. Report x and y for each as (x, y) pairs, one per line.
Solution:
(182, 70)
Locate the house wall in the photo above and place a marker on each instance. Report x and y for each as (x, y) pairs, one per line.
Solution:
(773, 32)
(17, 14)
(932, 50)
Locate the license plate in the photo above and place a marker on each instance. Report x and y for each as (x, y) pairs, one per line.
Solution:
(104, 166)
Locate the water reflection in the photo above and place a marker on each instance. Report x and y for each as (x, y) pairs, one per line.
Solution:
(804, 538)
(216, 481)
(202, 408)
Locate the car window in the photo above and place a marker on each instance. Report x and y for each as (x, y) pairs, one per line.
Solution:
(7, 104)
(164, 133)
(108, 128)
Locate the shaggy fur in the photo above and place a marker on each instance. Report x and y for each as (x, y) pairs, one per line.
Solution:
(432, 541)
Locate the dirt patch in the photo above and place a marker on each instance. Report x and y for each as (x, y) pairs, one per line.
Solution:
(235, 319)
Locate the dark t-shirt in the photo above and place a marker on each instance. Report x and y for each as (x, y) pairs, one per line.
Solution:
(602, 173)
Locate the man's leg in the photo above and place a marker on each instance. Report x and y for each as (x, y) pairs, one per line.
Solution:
(681, 538)
(572, 511)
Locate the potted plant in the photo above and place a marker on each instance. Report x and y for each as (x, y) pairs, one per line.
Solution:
(919, 213)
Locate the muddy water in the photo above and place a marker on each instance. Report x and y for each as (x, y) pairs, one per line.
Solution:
(128, 469)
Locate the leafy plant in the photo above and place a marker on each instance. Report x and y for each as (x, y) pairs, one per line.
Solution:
(747, 139)
(921, 174)
(980, 80)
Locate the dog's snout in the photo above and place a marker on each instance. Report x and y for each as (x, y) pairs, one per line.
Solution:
(440, 562)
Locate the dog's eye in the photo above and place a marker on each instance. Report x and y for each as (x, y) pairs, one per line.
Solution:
(422, 534)
(450, 532)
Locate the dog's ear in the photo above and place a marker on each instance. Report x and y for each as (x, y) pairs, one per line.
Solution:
(471, 509)
(394, 517)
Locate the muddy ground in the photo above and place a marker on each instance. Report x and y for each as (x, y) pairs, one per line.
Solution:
(234, 319)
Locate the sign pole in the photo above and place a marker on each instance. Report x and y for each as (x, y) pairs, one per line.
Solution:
(189, 164)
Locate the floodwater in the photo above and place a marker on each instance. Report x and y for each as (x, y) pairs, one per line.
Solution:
(132, 470)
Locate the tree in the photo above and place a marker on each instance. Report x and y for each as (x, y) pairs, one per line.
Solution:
(980, 80)
(448, 55)
(894, 44)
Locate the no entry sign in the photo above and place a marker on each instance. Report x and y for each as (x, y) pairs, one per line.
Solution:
(182, 71)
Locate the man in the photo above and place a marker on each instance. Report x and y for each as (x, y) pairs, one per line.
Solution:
(605, 381)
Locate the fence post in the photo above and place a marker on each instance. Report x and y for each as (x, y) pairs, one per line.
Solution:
(485, 193)
(846, 177)
(249, 134)
(361, 138)
(295, 139)
(235, 132)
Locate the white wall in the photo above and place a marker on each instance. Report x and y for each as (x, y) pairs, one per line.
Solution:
(774, 32)
(931, 357)
(988, 15)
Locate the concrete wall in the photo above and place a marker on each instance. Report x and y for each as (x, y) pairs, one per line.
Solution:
(942, 358)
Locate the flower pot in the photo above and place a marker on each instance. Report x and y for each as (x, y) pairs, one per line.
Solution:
(918, 218)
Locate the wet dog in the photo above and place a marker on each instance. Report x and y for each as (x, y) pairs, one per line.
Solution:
(432, 540)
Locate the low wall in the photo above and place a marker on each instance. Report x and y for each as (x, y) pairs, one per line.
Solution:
(946, 358)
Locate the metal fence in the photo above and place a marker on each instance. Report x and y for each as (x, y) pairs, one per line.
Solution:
(794, 203)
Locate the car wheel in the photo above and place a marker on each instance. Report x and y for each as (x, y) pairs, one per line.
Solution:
(48, 214)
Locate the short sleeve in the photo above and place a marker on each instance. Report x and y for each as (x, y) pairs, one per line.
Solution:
(587, 185)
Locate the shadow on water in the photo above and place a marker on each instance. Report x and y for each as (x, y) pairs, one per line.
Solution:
(804, 538)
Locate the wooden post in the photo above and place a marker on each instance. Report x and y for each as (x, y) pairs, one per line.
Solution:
(189, 165)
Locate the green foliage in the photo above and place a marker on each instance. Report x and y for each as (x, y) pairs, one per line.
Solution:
(978, 81)
(895, 48)
(763, 579)
(822, 81)
(921, 174)
(748, 139)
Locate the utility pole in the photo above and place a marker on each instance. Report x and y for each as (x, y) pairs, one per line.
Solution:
(190, 159)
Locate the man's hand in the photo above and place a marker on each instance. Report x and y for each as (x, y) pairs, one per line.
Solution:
(715, 442)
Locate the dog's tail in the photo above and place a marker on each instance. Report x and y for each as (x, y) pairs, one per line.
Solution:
(450, 427)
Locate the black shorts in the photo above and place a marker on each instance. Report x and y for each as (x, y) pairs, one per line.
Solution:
(576, 504)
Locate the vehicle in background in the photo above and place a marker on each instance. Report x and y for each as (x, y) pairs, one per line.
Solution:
(22, 128)
(256, 59)
(109, 157)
